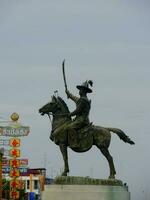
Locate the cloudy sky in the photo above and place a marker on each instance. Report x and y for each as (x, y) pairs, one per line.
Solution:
(107, 41)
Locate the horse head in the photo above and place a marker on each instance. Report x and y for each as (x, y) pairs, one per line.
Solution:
(55, 106)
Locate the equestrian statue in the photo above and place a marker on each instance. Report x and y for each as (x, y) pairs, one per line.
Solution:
(79, 133)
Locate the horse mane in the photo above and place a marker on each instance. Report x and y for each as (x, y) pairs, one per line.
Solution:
(63, 105)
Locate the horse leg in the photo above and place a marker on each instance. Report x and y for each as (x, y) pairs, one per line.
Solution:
(106, 153)
(64, 152)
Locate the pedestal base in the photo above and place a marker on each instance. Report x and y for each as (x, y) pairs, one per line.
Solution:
(86, 192)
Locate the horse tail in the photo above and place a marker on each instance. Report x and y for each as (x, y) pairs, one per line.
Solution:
(121, 135)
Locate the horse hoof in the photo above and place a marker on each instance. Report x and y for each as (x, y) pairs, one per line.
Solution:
(64, 174)
(111, 177)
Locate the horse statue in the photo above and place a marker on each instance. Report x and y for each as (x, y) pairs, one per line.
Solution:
(88, 136)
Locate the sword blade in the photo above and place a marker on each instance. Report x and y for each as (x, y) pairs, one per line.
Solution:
(64, 76)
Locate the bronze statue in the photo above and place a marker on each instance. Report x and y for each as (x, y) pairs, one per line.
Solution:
(81, 112)
(79, 134)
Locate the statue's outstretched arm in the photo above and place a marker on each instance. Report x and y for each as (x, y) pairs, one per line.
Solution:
(71, 96)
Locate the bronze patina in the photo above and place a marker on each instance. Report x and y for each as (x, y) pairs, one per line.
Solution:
(78, 133)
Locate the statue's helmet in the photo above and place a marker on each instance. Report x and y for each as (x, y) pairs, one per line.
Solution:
(85, 86)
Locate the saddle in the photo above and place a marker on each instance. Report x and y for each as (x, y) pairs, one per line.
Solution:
(77, 137)
(84, 131)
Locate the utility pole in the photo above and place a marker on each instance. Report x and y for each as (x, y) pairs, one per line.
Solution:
(1, 156)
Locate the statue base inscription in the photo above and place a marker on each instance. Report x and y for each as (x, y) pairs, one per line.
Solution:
(80, 188)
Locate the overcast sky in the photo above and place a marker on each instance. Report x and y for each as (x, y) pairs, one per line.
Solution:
(107, 41)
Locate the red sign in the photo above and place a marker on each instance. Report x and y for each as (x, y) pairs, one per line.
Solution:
(14, 163)
(14, 184)
(14, 173)
(14, 152)
(14, 194)
(14, 142)
(23, 162)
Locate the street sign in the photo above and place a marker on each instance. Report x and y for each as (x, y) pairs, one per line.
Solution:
(23, 162)
(14, 153)
(14, 183)
(17, 184)
(14, 132)
(6, 152)
(5, 162)
(4, 142)
(14, 142)
(6, 170)
(14, 163)
(14, 173)
(14, 194)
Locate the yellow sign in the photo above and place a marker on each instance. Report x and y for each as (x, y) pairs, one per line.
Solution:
(14, 142)
(17, 184)
(14, 163)
(14, 184)
(14, 173)
(14, 153)
(14, 194)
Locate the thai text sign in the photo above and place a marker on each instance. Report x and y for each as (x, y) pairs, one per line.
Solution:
(14, 132)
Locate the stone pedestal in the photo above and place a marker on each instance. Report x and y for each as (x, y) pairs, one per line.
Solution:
(100, 190)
